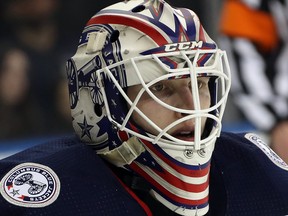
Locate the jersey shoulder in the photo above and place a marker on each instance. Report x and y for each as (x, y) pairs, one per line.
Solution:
(252, 177)
(62, 176)
(249, 144)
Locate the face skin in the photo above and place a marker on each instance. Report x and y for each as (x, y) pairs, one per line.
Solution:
(176, 93)
(14, 81)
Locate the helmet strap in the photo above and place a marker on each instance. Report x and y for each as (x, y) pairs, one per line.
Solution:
(124, 154)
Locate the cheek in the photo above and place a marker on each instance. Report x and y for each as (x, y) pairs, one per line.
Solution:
(155, 112)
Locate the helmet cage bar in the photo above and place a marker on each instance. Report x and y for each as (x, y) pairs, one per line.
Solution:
(196, 99)
(194, 72)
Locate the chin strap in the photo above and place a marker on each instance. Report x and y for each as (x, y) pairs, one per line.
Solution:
(124, 154)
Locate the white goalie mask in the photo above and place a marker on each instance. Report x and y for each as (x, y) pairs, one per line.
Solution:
(145, 45)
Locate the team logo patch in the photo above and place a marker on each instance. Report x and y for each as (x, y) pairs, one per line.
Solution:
(30, 185)
(267, 150)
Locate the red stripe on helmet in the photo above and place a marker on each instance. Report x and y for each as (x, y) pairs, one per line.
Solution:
(129, 21)
(175, 181)
(164, 191)
(182, 170)
(201, 34)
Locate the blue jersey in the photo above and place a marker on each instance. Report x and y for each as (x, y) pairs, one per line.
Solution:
(66, 177)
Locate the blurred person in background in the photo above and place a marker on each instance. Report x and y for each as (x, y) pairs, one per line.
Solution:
(255, 35)
(20, 116)
(62, 116)
(33, 25)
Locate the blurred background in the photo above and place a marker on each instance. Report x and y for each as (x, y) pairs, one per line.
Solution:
(37, 37)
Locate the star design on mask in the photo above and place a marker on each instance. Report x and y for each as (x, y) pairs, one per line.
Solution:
(114, 143)
(85, 128)
(122, 119)
(149, 161)
(113, 103)
(15, 192)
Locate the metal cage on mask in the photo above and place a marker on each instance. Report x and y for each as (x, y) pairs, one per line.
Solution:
(114, 96)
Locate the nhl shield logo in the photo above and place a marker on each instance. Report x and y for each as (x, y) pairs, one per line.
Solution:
(30, 185)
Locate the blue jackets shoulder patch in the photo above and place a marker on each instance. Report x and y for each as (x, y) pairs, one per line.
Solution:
(60, 177)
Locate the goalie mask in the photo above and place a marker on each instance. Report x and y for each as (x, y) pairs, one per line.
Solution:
(132, 52)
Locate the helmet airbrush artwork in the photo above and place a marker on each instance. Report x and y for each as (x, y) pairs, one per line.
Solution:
(142, 42)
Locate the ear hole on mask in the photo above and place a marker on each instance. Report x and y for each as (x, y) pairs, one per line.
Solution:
(114, 36)
(138, 9)
(98, 109)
